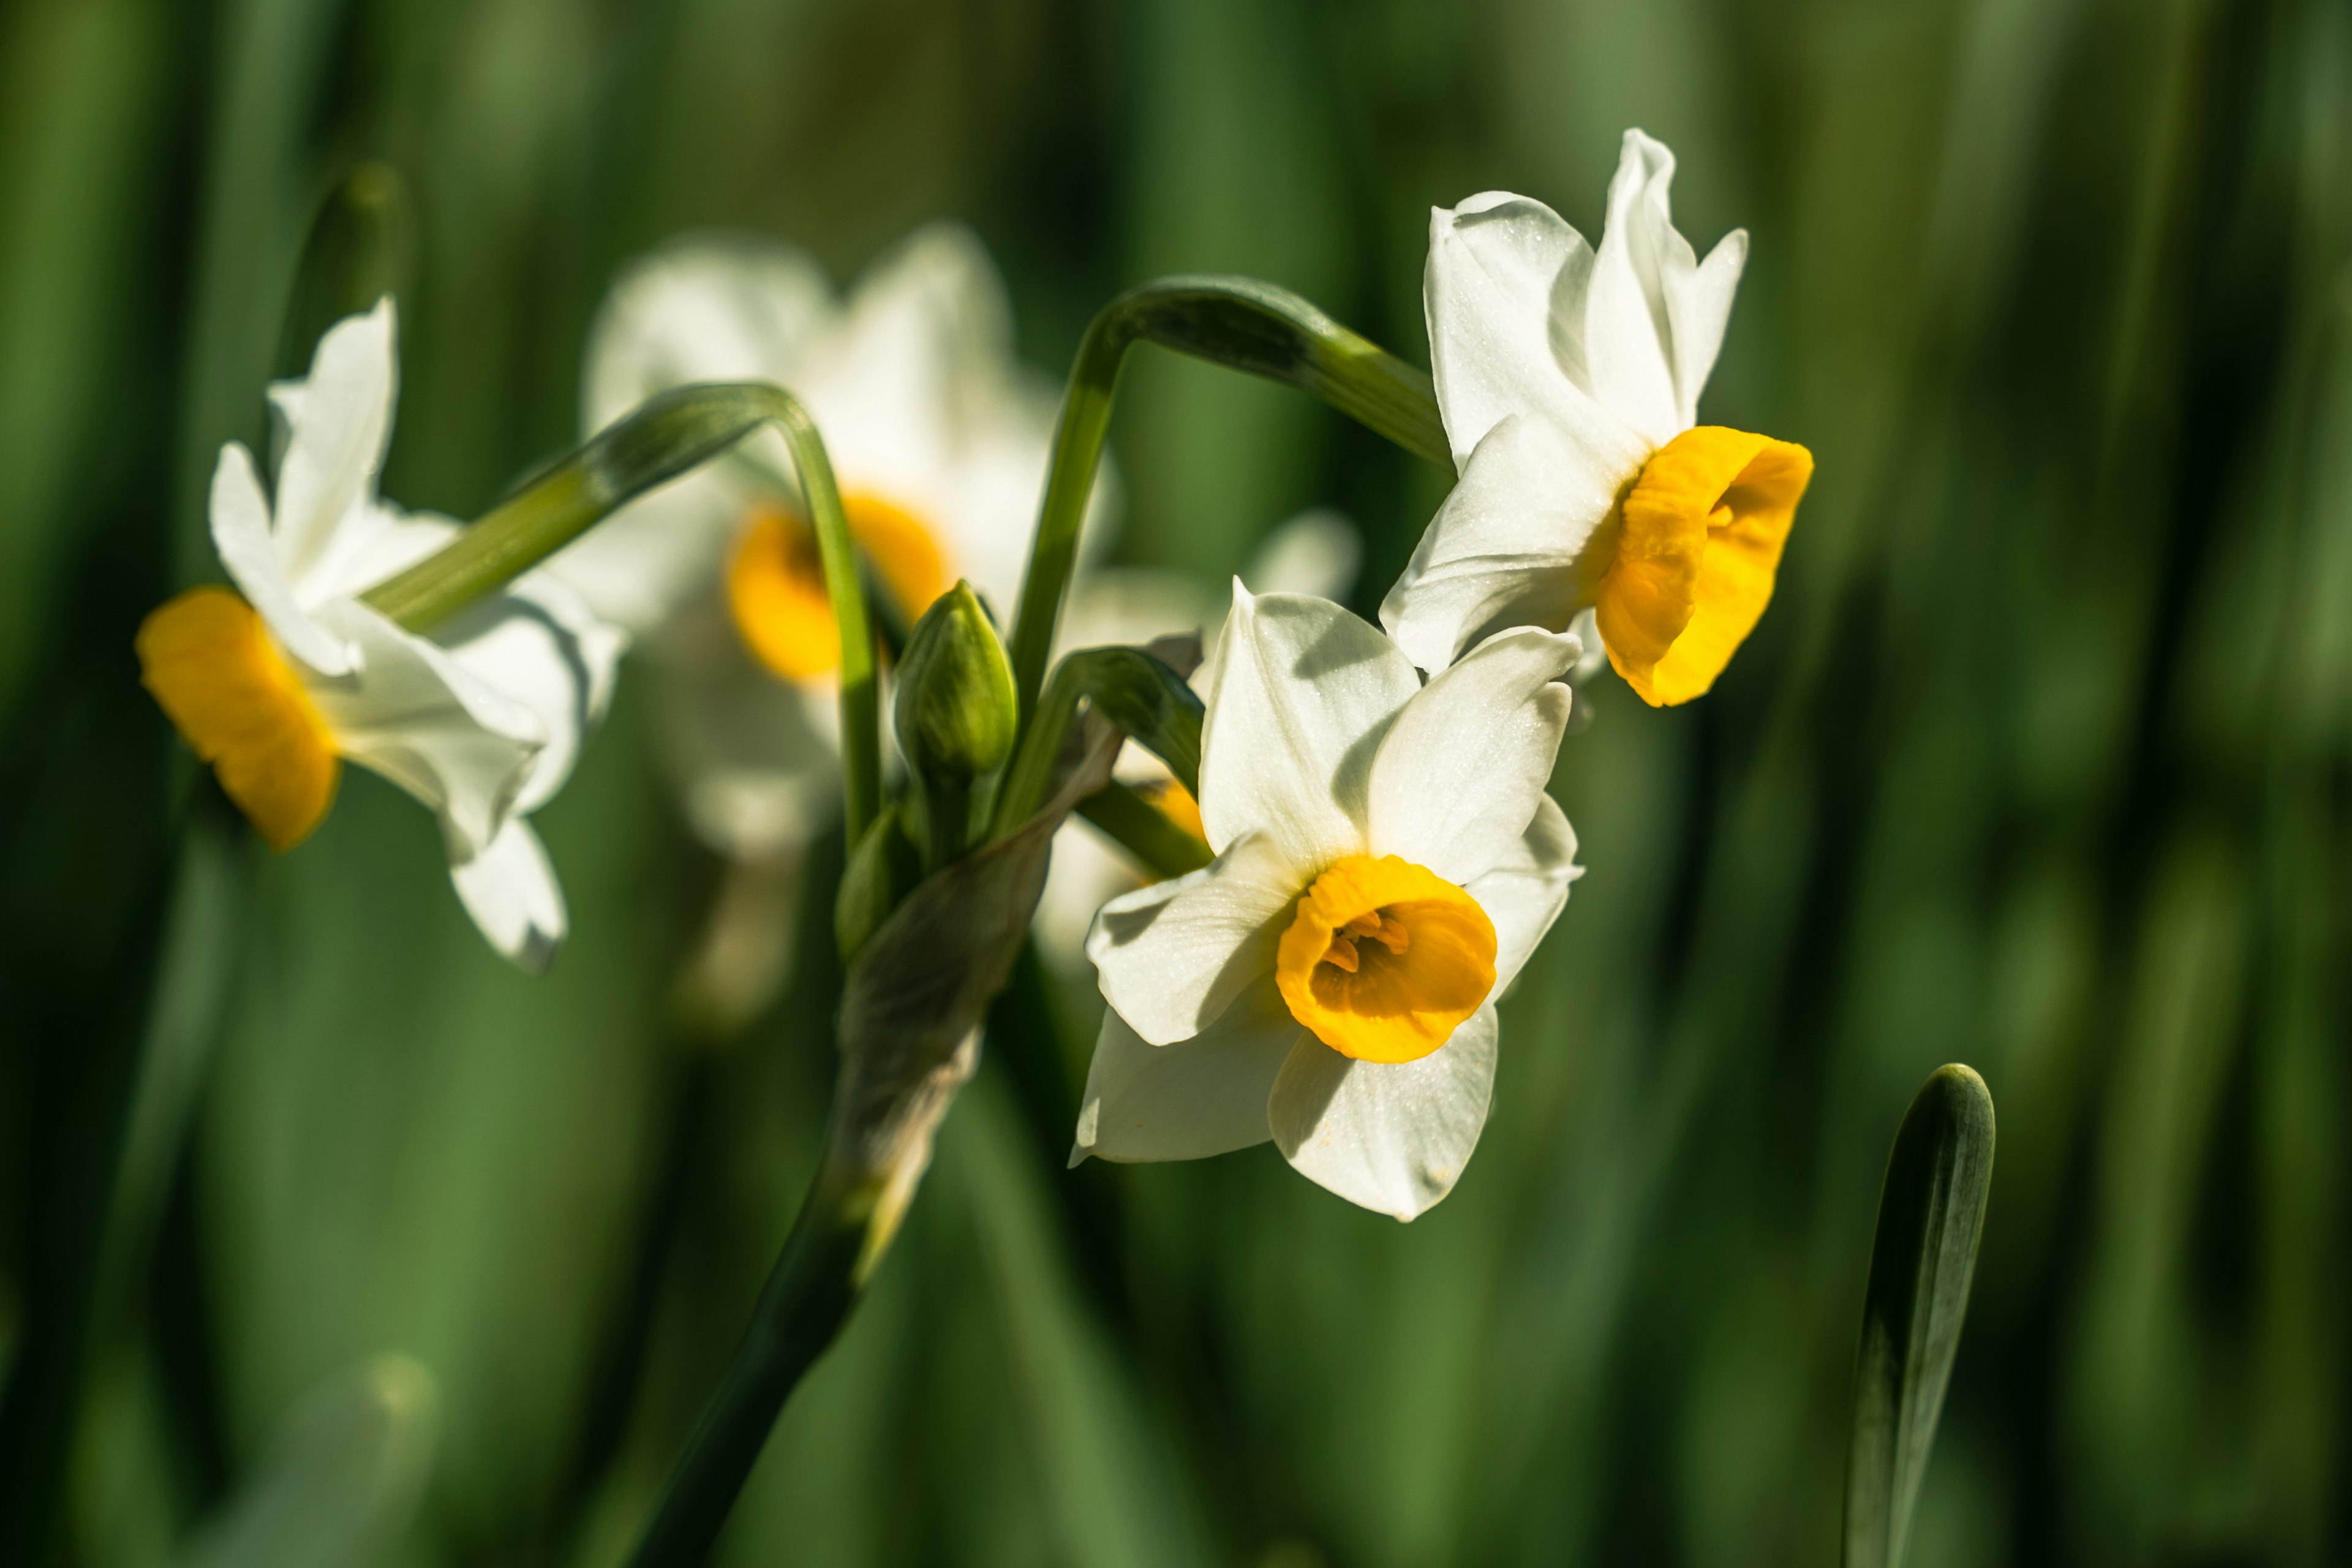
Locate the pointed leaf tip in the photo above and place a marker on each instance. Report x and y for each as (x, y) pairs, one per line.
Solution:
(1930, 1217)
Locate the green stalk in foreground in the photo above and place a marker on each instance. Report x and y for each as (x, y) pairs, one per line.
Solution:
(1239, 322)
(910, 1010)
(665, 436)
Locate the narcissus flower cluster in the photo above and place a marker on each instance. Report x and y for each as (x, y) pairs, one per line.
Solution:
(1387, 858)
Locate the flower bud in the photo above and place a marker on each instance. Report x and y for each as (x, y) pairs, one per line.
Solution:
(955, 714)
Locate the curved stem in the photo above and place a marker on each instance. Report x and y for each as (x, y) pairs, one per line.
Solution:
(666, 436)
(1146, 700)
(1239, 322)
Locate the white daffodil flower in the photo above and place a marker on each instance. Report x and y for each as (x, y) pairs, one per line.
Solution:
(1569, 379)
(1387, 859)
(939, 438)
(1315, 553)
(481, 720)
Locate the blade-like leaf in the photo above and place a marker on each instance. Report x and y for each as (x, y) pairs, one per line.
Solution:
(1930, 1216)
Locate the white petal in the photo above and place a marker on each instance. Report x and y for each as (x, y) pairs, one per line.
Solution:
(1525, 893)
(378, 541)
(1173, 956)
(1129, 605)
(640, 565)
(536, 643)
(1460, 773)
(1304, 690)
(240, 520)
(1586, 630)
(1655, 318)
(755, 760)
(510, 890)
(984, 508)
(1390, 1136)
(1505, 547)
(410, 712)
(339, 423)
(1204, 1096)
(1699, 303)
(917, 358)
(1318, 552)
(1505, 271)
(704, 308)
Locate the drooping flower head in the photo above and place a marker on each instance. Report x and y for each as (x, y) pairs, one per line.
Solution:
(1387, 859)
(481, 720)
(1569, 379)
(937, 435)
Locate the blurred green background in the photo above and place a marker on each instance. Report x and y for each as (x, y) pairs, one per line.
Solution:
(2042, 760)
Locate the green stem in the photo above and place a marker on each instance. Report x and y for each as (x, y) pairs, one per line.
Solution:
(817, 1279)
(947, 821)
(1032, 772)
(1148, 701)
(1239, 322)
(666, 436)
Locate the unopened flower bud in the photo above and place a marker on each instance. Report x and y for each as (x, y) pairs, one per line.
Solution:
(955, 714)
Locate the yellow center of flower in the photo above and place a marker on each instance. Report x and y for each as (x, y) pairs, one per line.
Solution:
(1699, 541)
(1385, 959)
(212, 666)
(776, 579)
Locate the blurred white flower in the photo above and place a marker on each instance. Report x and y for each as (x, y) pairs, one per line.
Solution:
(1569, 379)
(1315, 553)
(1387, 859)
(481, 720)
(937, 436)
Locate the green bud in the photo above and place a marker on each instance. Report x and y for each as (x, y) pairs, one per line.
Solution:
(955, 715)
(362, 245)
(882, 868)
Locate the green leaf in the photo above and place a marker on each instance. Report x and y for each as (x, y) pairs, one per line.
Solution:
(1930, 1216)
